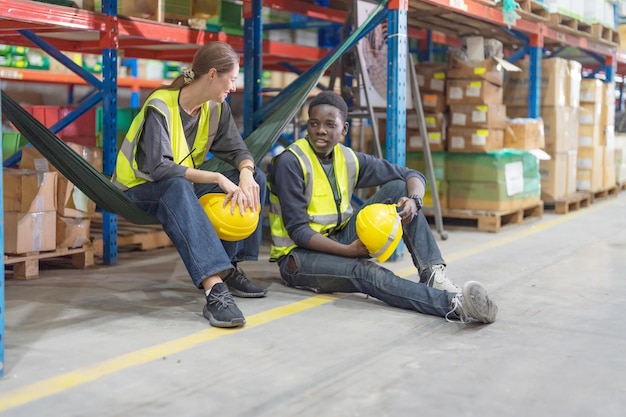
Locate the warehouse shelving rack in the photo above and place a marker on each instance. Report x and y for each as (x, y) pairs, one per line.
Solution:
(25, 22)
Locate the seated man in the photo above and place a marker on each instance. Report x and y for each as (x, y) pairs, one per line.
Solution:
(313, 224)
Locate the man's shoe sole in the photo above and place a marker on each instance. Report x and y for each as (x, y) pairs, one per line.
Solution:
(477, 302)
(242, 294)
(224, 324)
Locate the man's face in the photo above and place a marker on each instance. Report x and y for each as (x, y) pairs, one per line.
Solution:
(325, 128)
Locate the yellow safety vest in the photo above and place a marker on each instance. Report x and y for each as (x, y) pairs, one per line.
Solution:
(324, 214)
(127, 173)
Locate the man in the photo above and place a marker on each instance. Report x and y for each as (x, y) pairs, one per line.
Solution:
(313, 228)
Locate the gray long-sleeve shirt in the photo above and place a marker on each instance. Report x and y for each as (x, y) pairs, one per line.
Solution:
(287, 182)
(154, 154)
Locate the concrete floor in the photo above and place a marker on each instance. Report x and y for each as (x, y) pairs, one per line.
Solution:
(130, 339)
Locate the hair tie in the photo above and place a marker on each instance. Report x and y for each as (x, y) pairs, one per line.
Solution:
(188, 75)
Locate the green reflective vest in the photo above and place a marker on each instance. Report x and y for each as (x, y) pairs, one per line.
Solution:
(325, 215)
(127, 173)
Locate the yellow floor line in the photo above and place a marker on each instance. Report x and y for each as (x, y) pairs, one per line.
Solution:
(54, 385)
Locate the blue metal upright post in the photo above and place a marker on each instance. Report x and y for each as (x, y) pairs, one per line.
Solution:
(535, 50)
(2, 277)
(253, 62)
(109, 123)
(396, 85)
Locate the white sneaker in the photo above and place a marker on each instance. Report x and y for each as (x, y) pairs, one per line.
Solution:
(439, 280)
(473, 305)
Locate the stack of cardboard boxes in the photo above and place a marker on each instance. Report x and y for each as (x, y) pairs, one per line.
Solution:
(59, 215)
(477, 114)
(29, 210)
(431, 79)
(589, 175)
(560, 90)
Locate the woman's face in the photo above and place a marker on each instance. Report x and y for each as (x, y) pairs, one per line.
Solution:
(222, 84)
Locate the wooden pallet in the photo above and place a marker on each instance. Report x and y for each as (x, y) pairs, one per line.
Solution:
(569, 203)
(488, 221)
(131, 236)
(569, 24)
(605, 34)
(604, 193)
(26, 266)
(533, 11)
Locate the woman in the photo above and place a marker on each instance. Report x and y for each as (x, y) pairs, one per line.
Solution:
(156, 167)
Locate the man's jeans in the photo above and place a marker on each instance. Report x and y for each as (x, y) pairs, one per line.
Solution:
(326, 273)
(175, 204)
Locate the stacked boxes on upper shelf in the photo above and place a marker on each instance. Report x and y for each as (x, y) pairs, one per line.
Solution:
(477, 114)
(560, 90)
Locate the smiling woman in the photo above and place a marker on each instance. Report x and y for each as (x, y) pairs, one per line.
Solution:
(157, 168)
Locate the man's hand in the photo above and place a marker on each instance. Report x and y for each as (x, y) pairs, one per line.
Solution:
(408, 210)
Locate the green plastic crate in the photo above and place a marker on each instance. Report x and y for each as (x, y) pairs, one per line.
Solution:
(125, 118)
(11, 143)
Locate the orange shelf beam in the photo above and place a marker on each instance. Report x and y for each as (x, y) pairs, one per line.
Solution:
(36, 76)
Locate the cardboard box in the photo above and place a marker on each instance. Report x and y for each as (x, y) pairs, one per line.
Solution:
(433, 102)
(573, 87)
(475, 140)
(435, 122)
(572, 162)
(591, 91)
(436, 141)
(608, 139)
(589, 135)
(71, 202)
(498, 166)
(72, 232)
(491, 116)
(560, 127)
(589, 179)
(491, 69)
(590, 113)
(28, 191)
(431, 77)
(473, 92)
(554, 176)
(589, 158)
(524, 134)
(492, 196)
(554, 81)
(29, 232)
(609, 178)
(33, 159)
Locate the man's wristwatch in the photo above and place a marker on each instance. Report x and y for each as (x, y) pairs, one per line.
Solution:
(418, 200)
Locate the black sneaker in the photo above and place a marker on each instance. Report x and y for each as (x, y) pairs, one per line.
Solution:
(473, 304)
(240, 286)
(220, 309)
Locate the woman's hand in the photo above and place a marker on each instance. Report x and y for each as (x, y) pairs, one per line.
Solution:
(250, 189)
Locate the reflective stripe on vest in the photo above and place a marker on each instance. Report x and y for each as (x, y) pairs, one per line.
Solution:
(127, 173)
(321, 208)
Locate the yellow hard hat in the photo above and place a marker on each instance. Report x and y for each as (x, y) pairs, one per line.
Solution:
(379, 227)
(229, 227)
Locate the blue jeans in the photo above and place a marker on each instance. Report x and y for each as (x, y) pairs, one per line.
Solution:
(175, 204)
(326, 273)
